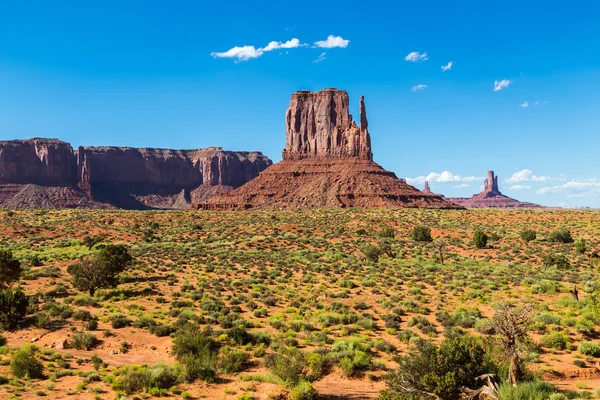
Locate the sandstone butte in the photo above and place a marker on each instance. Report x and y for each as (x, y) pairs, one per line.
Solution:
(48, 173)
(327, 163)
(491, 197)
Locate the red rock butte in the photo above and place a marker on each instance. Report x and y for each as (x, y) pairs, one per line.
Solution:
(48, 173)
(327, 163)
(491, 197)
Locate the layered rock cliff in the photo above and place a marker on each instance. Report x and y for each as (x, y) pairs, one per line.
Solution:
(47, 162)
(319, 125)
(121, 176)
(327, 163)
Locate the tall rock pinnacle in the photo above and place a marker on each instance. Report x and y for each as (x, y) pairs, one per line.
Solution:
(491, 183)
(319, 125)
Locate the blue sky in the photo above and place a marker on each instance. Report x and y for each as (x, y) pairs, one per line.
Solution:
(151, 74)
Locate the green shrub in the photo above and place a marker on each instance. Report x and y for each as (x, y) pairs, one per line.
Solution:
(528, 235)
(25, 363)
(562, 235)
(535, 390)
(289, 365)
(153, 379)
(232, 361)
(2, 341)
(555, 340)
(443, 371)
(388, 233)
(13, 308)
(580, 246)
(589, 349)
(10, 268)
(480, 239)
(196, 350)
(421, 234)
(83, 341)
(303, 391)
(372, 253)
(557, 260)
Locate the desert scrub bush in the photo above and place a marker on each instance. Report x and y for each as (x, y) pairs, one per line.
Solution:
(13, 308)
(589, 349)
(443, 371)
(580, 246)
(421, 234)
(289, 365)
(25, 364)
(528, 235)
(83, 341)
(555, 340)
(232, 360)
(557, 260)
(196, 350)
(562, 235)
(118, 321)
(372, 253)
(480, 239)
(303, 391)
(133, 379)
(388, 232)
(10, 268)
(533, 390)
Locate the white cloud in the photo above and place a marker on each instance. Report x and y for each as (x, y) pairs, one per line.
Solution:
(321, 58)
(290, 44)
(520, 187)
(526, 175)
(418, 87)
(244, 53)
(525, 105)
(536, 103)
(415, 56)
(574, 188)
(499, 85)
(332, 41)
(462, 186)
(442, 177)
(448, 66)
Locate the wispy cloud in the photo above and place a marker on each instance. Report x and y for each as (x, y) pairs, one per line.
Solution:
(503, 84)
(442, 177)
(243, 53)
(331, 42)
(462, 186)
(415, 56)
(525, 104)
(419, 87)
(520, 187)
(290, 44)
(526, 175)
(321, 58)
(575, 188)
(448, 66)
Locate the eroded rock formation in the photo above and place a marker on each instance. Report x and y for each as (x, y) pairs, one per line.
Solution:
(427, 189)
(319, 125)
(327, 163)
(118, 176)
(491, 197)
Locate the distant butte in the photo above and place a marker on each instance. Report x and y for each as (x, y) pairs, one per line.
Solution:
(327, 163)
(491, 197)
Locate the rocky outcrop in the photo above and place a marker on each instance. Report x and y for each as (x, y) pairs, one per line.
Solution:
(319, 125)
(491, 197)
(119, 176)
(327, 163)
(47, 162)
(427, 189)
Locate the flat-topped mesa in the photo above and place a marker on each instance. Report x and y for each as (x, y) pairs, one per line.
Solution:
(490, 185)
(319, 125)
